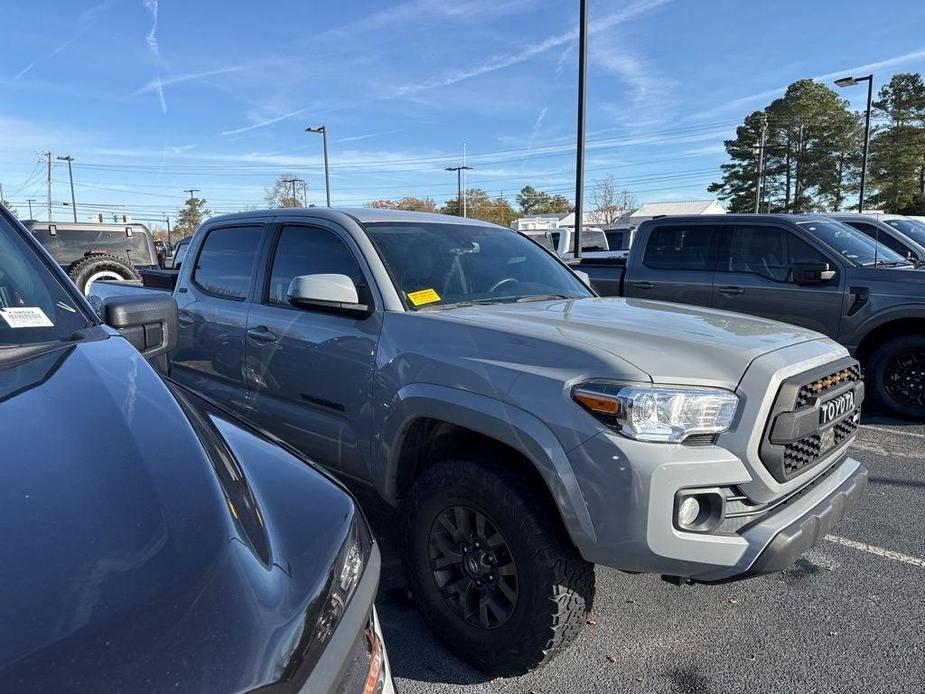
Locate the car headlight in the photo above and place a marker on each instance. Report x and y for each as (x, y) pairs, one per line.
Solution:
(345, 577)
(666, 414)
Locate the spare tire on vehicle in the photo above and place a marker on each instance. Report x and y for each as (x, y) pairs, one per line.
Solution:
(100, 267)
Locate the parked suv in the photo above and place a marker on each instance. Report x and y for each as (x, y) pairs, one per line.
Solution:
(90, 252)
(151, 540)
(527, 428)
(807, 270)
(900, 234)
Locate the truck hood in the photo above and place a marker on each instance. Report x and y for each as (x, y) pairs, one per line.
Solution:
(672, 343)
(127, 545)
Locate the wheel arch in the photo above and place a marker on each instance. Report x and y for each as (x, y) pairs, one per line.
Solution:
(425, 420)
(887, 330)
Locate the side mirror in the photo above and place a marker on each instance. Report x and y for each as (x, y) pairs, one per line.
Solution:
(326, 292)
(149, 322)
(812, 273)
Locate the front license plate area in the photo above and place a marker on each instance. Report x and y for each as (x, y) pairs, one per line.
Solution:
(836, 408)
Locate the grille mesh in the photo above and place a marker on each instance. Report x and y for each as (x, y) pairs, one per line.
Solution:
(806, 451)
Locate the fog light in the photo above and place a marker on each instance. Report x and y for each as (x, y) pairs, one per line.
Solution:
(688, 511)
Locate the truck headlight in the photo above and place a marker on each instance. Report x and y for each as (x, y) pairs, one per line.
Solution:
(345, 576)
(666, 414)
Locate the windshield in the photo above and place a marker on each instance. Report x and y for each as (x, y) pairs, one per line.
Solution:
(854, 245)
(34, 307)
(911, 228)
(439, 265)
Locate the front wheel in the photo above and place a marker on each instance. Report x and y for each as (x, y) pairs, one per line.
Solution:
(491, 568)
(896, 376)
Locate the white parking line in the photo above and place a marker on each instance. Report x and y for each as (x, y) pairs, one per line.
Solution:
(887, 430)
(880, 450)
(879, 551)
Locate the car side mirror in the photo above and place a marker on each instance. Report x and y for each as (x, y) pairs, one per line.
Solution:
(149, 322)
(326, 292)
(812, 273)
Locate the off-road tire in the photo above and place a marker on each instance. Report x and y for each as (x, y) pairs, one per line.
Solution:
(878, 376)
(80, 271)
(555, 585)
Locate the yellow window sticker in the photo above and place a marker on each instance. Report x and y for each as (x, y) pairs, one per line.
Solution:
(423, 296)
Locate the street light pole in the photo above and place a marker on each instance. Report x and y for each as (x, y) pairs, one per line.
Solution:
(850, 82)
(30, 201)
(324, 136)
(70, 175)
(460, 209)
(582, 101)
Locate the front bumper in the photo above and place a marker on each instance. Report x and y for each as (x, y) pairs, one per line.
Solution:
(631, 502)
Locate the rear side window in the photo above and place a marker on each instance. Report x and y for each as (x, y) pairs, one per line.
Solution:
(883, 237)
(679, 248)
(309, 251)
(226, 262)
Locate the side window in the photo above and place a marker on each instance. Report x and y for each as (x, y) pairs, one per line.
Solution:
(868, 229)
(768, 252)
(309, 251)
(679, 248)
(225, 264)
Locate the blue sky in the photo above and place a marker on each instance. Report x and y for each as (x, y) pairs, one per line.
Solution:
(154, 97)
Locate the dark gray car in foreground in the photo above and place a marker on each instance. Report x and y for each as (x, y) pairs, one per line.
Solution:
(528, 428)
(150, 540)
(806, 270)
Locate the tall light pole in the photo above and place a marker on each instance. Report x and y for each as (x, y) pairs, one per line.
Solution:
(460, 206)
(850, 82)
(70, 175)
(582, 100)
(30, 201)
(324, 136)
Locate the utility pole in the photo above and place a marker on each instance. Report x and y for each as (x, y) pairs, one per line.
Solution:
(759, 175)
(48, 184)
(191, 191)
(460, 210)
(70, 175)
(30, 201)
(168, 227)
(582, 101)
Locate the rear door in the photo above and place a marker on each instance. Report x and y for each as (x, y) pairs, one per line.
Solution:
(754, 276)
(213, 307)
(675, 264)
(312, 370)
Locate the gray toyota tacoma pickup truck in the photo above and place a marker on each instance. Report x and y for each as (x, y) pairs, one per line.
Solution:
(802, 269)
(528, 428)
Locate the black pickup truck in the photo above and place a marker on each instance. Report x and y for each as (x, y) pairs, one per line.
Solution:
(802, 269)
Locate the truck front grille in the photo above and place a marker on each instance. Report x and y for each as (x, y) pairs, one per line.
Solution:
(793, 441)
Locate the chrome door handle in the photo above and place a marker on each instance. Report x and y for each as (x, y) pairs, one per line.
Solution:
(730, 290)
(644, 285)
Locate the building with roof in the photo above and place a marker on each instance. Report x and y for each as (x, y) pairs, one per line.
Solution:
(660, 209)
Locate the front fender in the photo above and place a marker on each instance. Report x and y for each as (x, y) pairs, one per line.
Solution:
(499, 420)
(881, 317)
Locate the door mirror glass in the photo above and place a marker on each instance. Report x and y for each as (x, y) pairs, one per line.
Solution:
(336, 293)
(812, 273)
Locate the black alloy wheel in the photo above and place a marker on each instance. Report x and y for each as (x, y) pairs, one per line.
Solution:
(904, 378)
(473, 567)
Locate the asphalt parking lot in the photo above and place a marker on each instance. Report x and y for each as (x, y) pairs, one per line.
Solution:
(847, 618)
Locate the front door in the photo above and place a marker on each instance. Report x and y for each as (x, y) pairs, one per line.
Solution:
(312, 370)
(213, 308)
(755, 277)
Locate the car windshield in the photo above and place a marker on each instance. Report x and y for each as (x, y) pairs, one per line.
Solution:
(909, 227)
(854, 245)
(34, 307)
(439, 265)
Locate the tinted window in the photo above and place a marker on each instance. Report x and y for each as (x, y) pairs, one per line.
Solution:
(679, 248)
(914, 229)
(615, 239)
(309, 251)
(851, 243)
(226, 262)
(767, 251)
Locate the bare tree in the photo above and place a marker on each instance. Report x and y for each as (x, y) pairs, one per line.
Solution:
(607, 204)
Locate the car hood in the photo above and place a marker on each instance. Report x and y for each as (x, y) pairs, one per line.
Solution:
(133, 555)
(672, 343)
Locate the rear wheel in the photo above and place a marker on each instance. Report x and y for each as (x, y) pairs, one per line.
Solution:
(492, 569)
(896, 376)
(87, 270)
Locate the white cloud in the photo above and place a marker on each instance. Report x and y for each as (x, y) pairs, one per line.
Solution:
(159, 83)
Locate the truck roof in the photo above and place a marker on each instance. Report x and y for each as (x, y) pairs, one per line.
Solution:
(740, 217)
(34, 225)
(359, 214)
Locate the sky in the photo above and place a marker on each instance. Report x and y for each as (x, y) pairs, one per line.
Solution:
(152, 97)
